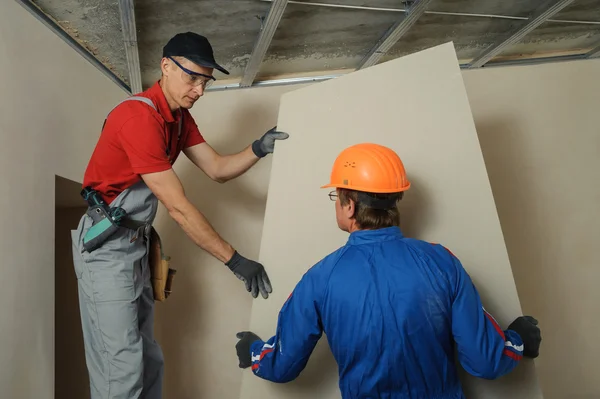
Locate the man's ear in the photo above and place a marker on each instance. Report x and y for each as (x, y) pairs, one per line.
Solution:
(164, 66)
(350, 208)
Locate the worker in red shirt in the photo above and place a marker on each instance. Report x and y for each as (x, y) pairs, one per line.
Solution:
(130, 170)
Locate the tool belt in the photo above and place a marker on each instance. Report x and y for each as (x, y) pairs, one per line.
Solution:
(107, 221)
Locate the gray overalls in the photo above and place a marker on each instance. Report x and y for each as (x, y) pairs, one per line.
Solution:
(117, 304)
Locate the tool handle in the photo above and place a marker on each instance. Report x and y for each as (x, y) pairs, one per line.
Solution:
(92, 197)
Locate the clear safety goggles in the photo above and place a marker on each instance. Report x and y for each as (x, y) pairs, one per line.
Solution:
(194, 79)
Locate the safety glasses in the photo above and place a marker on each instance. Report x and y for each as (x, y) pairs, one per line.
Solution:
(194, 78)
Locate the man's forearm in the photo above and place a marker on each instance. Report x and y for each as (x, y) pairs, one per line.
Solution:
(198, 228)
(231, 166)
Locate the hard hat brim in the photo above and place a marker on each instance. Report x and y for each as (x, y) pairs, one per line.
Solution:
(368, 189)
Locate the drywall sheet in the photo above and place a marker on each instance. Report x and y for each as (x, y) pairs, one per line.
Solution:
(418, 106)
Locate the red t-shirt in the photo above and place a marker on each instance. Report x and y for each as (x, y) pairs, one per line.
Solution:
(134, 141)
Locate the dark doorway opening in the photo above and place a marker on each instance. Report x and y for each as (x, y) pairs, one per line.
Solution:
(70, 375)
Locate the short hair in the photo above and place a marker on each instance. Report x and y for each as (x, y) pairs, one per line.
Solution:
(369, 217)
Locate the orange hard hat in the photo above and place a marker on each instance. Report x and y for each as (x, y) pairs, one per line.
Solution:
(369, 167)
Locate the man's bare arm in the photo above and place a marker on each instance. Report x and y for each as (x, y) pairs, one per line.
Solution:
(168, 189)
(221, 168)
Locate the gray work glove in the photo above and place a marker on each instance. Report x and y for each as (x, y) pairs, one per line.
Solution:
(252, 273)
(266, 144)
(242, 348)
(526, 327)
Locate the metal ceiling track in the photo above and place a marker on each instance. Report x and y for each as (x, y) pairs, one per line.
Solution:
(127, 11)
(594, 53)
(394, 34)
(495, 64)
(75, 45)
(431, 12)
(536, 20)
(262, 45)
(263, 42)
(276, 82)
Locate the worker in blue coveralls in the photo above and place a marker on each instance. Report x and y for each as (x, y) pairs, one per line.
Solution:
(392, 307)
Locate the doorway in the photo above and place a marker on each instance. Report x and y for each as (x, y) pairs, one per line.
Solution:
(70, 375)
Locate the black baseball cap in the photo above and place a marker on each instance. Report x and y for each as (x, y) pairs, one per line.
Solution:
(195, 48)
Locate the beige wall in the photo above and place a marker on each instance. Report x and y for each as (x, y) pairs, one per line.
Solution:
(52, 106)
(529, 119)
(539, 132)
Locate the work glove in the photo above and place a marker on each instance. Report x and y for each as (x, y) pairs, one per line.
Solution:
(266, 144)
(252, 273)
(526, 327)
(246, 338)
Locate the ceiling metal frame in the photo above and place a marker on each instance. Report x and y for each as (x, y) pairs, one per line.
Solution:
(263, 41)
(457, 14)
(74, 44)
(314, 79)
(594, 53)
(127, 14)
(536, 20)
(277, 82)
(394, 34)
(60, 32)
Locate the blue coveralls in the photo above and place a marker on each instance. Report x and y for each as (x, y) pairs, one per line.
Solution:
(392, 308)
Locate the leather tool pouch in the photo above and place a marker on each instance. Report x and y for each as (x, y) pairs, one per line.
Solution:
(161, 273)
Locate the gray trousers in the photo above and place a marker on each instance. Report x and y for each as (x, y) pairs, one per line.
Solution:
(117, 315)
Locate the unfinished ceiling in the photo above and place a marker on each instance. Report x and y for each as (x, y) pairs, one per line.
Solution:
(312, 38)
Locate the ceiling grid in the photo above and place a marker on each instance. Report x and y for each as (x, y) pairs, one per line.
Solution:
(275, 42)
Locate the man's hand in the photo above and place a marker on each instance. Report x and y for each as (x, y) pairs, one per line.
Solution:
(246, 338)
(526, 327)
(252, 273)
(266, 144)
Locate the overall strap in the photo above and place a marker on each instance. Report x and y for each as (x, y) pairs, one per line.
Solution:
(138, 98)
(150, 103)
(135, 98)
